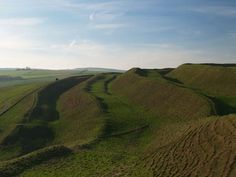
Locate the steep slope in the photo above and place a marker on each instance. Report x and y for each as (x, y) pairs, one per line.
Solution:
(48, 97)
(157, 95)
(214, 79)
(80, 118)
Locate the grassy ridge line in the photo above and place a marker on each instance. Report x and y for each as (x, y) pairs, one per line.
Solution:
(101, 106)
(99, 87)
(160, 96)
(213, 79)
(80, 117)
(48, 97)
(18, 165)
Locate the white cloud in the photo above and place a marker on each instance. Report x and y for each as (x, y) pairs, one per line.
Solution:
(83, 48)
(87, 53)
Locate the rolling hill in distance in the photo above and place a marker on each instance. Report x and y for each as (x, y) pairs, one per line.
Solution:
(173, 122)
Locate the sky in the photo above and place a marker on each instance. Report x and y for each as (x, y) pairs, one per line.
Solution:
(64, 34)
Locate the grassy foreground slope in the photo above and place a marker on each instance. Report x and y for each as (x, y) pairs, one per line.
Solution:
(206, 149)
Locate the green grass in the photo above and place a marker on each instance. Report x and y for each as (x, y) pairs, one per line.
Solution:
(10, 120)
(80, 118)
(161, 97)
(36, 132)
(108, 151)
(48, 97)
(140, 123)
(118, 148)
(13, 94)
(30, 74)
(15, 166)
(213, 79)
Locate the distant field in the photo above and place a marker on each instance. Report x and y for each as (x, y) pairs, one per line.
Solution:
(20, 76)
(141, 123)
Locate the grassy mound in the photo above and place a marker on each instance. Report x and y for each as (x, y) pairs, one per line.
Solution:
(213, 79)
(158, 95)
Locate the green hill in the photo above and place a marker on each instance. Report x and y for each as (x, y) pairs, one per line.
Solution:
(158, 95)
(213, 79)
(144, 122)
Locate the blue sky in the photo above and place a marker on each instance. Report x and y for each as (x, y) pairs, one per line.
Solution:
(116, 33)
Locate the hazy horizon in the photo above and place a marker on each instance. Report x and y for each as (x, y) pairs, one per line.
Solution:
(120, 34)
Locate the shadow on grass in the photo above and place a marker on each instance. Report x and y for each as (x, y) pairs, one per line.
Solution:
(222, 108)
(45, 108)
(35, 132)
(29, 137)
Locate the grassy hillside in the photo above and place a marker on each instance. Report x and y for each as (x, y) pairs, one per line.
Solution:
(160, 96)
(140, 123)
(80, 121)
(206, 149)
(213, 79)
(123, 125)
(36, 131)
(15, 166)
(11, 95)
(18, 102)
